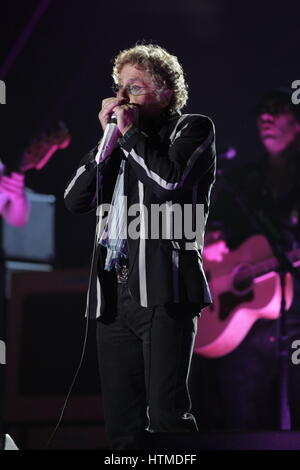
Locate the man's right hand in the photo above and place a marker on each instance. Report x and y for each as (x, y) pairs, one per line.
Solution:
(107, 108)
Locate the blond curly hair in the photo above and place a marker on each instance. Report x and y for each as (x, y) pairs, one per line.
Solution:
(162, 66)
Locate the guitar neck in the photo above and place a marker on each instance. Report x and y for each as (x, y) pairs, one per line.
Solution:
(272, 264)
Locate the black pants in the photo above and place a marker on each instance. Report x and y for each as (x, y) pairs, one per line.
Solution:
(144, 359)
(245, 383)
(249, 380)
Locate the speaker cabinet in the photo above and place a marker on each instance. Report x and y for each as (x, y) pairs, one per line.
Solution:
(36, 240)
(45, 335)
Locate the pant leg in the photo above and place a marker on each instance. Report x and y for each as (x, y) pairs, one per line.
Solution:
(168, 350)
(248, 381)
(120, 356)
(144, 358)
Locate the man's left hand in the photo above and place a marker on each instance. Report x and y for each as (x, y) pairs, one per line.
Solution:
(127, 116)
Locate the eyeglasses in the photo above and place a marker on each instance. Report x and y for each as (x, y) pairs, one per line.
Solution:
(134, 90)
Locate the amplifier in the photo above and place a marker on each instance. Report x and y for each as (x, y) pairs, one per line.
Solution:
(36, 240)
(45, 334)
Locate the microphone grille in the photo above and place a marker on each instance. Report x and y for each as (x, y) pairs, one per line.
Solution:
(113, 119)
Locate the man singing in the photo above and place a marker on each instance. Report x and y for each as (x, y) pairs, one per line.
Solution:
(146, 291)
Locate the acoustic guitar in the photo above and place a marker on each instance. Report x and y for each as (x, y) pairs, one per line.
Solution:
(245, 287)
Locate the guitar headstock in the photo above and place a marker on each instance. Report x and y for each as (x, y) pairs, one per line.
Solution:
(42, 148)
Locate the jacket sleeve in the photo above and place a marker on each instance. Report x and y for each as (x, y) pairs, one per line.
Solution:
(190, 158)
(81, 189)
(80, 193)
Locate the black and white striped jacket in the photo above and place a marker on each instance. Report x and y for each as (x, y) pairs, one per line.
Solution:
(173, 164)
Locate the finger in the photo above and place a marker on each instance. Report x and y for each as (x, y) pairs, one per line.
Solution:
(17, 176)
(12, 185)
(13, 181)
(107, 100)
(135, 105)
(110, 103)
(10, 192)
(118, 110)
(107, 103)
(106, 112)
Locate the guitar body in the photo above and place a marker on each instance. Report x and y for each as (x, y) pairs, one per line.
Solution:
(240, 296)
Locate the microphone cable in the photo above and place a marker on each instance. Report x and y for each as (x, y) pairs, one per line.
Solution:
(54, 432)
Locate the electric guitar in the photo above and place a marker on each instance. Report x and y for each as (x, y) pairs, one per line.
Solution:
(41, 149)
(244, 287)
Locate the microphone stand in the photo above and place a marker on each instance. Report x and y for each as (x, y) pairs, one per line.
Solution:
(285, 266)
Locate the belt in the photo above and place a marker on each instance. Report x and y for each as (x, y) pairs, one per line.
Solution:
(122, 272)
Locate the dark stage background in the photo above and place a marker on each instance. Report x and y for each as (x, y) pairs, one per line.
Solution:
(231, 52)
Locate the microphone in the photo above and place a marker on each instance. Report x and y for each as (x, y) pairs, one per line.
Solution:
(109, 139)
